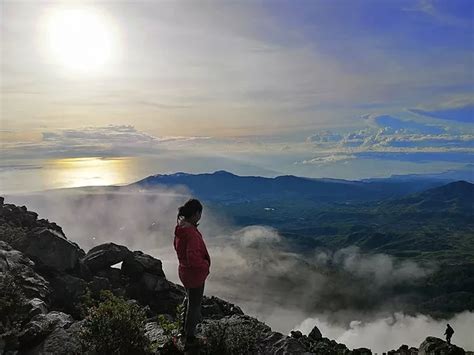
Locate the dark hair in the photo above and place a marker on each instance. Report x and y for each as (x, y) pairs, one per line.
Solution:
(189, 208)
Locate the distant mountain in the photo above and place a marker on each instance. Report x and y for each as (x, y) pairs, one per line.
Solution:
(465, 173)
(224, 186)
(455, 197)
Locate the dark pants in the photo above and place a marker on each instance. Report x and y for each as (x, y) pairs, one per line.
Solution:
(192, 313)
(448, 338)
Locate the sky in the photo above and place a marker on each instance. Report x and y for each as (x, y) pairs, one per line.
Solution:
(106, 92)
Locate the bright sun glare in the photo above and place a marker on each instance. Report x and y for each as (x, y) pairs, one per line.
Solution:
(79, 38)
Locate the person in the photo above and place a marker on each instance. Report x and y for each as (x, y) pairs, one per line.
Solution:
(194, 264)
(449, 333)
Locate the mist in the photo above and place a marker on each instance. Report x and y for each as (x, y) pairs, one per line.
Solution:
(355, 298)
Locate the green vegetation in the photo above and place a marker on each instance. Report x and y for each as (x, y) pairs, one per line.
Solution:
(115, 326)
(8, 233)
(13, 312)
(223, 337)
(172, 328)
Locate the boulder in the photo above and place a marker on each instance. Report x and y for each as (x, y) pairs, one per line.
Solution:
(105, 255)
(435, 345)
(138, 263)
(47, 248)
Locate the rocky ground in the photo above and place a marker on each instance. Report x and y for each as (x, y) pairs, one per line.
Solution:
(46, 277)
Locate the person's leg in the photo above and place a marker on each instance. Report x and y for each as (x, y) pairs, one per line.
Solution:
(193, 310)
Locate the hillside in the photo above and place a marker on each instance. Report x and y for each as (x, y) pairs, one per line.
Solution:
(49, 283)
(225, 187)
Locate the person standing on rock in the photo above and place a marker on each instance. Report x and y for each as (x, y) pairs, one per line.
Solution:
(194, 264)
(449, 333)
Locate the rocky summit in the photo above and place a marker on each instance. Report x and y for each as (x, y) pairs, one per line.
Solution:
(47, 280)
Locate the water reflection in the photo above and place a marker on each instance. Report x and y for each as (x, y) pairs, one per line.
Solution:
(90, 171)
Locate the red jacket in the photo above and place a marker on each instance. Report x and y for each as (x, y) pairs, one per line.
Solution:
(194, 260)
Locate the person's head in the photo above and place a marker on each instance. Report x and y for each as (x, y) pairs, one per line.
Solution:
(191, 211)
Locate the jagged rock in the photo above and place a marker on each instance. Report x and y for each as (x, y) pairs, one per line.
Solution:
(113, 275)
(49, 249)
(152, 290)
(105, 255)
(36, 306)
(63, 340)
(138, 263)
(288, 345)
(296, 334)
(435, 345)
(315, 334)
(214, 307)
(361, 351)
(15, 263)
(404, 350)
(68, 291)
(42, 325)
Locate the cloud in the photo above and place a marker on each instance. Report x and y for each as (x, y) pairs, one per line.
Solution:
(391, 138)
(396, 125)
(327, 159)
(4, 168)
(106, 141)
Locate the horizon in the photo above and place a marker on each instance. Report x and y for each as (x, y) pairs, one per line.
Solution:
(370, 89)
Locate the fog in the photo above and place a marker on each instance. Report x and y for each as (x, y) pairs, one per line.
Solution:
(354, 298)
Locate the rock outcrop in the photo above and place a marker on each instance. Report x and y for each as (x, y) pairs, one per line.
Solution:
(433, 345)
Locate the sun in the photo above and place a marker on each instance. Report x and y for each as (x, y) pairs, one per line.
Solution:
(79, 38)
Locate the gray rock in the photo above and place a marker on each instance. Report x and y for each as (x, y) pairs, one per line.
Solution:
(286, 346)
(49, 249)
(296, 334)
(36, 306)
(215, 307)
(315, 334)
(62, 341)
(138, 263)
(15, 263)
(105, 255)
(68, 292)
(435, 345)
(42, 325)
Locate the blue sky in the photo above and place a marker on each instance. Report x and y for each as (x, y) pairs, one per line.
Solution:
(346, 89)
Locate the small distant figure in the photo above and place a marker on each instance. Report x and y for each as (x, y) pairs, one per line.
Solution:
(449, 333)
